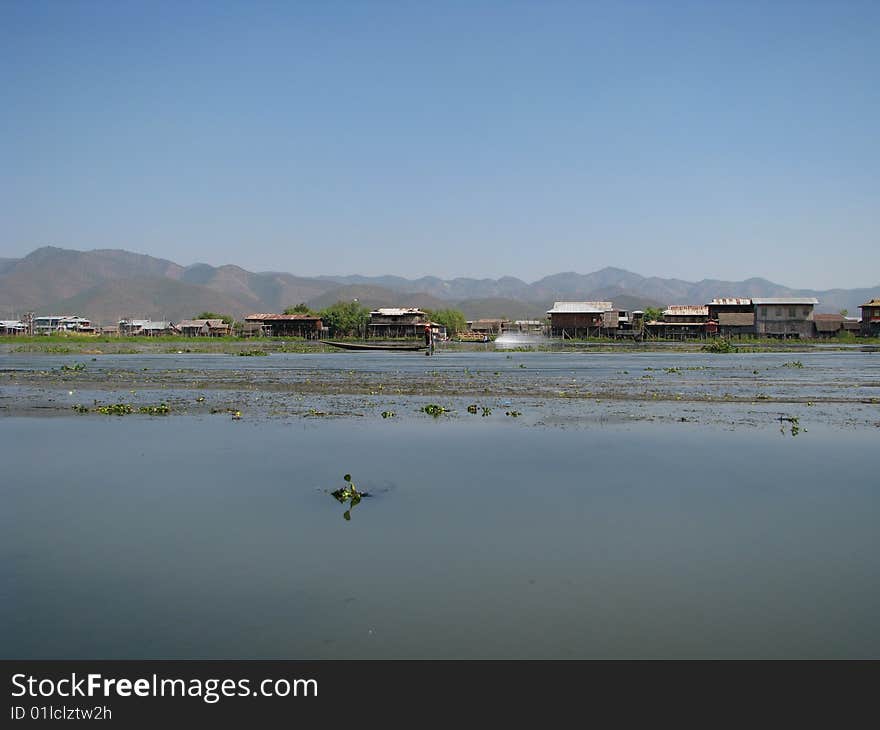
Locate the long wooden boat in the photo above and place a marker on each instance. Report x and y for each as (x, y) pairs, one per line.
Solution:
(364, 346)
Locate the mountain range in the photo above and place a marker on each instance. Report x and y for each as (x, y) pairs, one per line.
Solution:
(108, 284)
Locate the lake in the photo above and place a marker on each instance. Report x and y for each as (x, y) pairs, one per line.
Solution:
(563, 533)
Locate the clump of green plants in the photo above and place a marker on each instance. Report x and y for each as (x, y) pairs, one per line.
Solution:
(432, 409)
(472, 408)
(253, 353)
(486, 412)
(350, 494)
(388, 414)
(793, 364)
(115, 409)
(672, 371)
(79, 408)
(513, 414)
(719, 346)
(163, 409)
(794, 424)
(77, 367)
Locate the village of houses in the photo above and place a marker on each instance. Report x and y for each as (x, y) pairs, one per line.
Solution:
(769, 317)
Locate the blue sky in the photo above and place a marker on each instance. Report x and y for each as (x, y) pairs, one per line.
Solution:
(678, 139)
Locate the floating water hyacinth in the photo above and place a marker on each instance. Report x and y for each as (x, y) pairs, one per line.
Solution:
(349, 493)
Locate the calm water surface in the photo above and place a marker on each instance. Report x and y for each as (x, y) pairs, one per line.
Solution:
(208, 538)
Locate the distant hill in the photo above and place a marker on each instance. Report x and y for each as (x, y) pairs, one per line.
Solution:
(498, 307)
(150, 297)
(106, 284)
(374, 297)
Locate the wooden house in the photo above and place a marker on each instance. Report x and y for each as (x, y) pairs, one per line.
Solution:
(145, 328)
(62, 323)
(784, 316)
(307, 326)
(828, 325)
(12, 327)
(581, 319)
(487, 326)
(395, 322)
(681, 321)
(733, 316)
(870, 318)
(203, 328)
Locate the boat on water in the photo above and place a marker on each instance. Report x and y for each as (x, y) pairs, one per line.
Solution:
(364, 346)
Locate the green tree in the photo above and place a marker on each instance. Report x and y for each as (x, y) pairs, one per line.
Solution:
(301, 308)
(212, 315)
(452, 319)
(844, 312)
(653, 314)
(345, 318)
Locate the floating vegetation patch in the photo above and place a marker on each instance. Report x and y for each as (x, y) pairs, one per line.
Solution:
(793, 364)
(163, 409)
(115, 409)
(79, 408)
(253, 353)
(75, 368)
(719, 346)
(348, 494)
(432, 409)
(486, 412)
(472, 408)
(672, 371)
(388, 414)
(513, 414)
(793, 423)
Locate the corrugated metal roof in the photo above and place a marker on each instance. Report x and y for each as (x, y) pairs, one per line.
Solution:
(11, 323)
(201, 323)
(872, 303)
(689, 310)
(580, 308)
(281, 317)
(396, 311)
(732, 301)
(784, 300)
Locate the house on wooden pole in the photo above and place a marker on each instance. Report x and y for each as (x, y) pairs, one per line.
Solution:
(579, 319)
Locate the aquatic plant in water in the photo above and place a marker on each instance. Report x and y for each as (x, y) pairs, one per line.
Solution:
(163, 409)
(349, 493)
(115, 409)
(432, 409)
(793, 364)
(388, 414)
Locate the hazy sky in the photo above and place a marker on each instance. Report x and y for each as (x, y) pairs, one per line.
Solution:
(700, 139)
